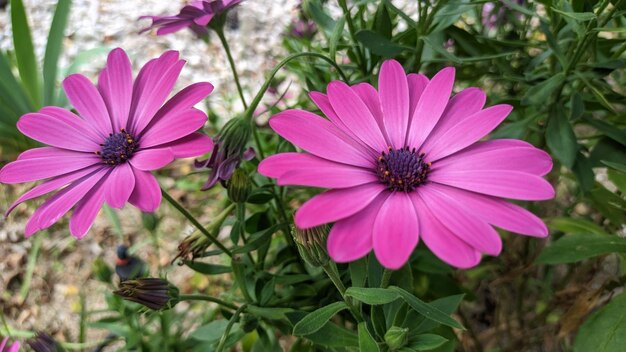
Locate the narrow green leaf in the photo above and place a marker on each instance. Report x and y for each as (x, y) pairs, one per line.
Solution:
(210, 332)
(537, 94)
(571, 225)
(427, 310)
(379, 45)
(12, 90)
(584, 173)
(616, 166)
(426, 342)
(53, 50)
(578, 16)
(372, 296)
(366, 341)
(438, 48)
(24, 51)
(576, 247)
(597, 93)
(603, 331)
(561, 139)
(335, 37)
(332, 335)
(618, 178)
(207, 268)
(611, 131)
(269, 312)
(257, 240)
(358, 272)
(315, 320)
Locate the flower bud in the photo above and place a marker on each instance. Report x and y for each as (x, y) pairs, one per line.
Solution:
(239, 187)
(311, 244)
(43, 342)
(154, 293)
(396, 337)
(150, 221)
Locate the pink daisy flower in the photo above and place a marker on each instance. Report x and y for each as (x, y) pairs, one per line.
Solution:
(405, 163)
(13, 348)
(124, 131)
(195, 16)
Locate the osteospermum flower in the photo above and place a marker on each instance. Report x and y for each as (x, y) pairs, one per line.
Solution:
(106, 154)
(405, 163)
(15, 346)
(195, 16)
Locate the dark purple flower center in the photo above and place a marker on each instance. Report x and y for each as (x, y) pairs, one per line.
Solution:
(118, 148)
(402, 169)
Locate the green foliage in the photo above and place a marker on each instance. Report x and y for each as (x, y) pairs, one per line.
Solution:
(604, 330)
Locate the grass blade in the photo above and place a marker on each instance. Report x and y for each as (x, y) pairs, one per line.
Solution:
(24, 51)
(53, 50)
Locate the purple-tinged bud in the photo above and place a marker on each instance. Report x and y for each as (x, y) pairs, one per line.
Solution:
(154, 293)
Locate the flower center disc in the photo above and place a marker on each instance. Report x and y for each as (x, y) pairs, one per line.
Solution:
(402, 169)
(118, 148)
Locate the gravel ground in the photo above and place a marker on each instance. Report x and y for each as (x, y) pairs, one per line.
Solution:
(63, 268)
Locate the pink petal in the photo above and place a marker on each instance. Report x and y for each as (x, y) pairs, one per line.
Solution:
(473, 231)
(336, 204)
(318, 136)
(28, 170)
(183, 100)
(87, 209)
(66, 115)
(396, 231)
(115, 84)
(467, 132)
(496, 211)
(443, 243)
(195, 144)
(61, 132)
(60, 203)
(369, 95)
(174, 27)
(499, 183)
(484, 157)
(430, 106)
(395, 102)
(152, 159)
(153, 85)
(351, 238)
(417, 84)
(51, 185)
(119, 186)
(88, 102)
(147, 193)
(51, 152)
(355, 115)
(466, 103)
(172, 127)
(4, 342)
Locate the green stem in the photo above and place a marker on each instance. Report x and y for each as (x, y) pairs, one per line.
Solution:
(231, 322)
(200, 297)
(241, 218)
(195, 222)
(384, 281)
(331, 270)
(30, 268)
(359, 54)
(220, 34)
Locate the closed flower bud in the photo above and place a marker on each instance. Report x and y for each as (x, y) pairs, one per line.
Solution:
(239, 187)
(311, 244)
(43, 342)
(154, 293)
(228, 152)
(150, 221)
(197, 243)
(396, 337)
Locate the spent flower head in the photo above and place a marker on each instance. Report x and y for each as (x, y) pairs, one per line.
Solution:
(154, 293)
(42, 342)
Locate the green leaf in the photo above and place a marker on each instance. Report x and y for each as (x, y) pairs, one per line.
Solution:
(366, 341)
(16, 97)
(207, 268)
(269, 312)
(426, 342)
(315, 9)
(618, 178)
(571, 225)
(597, 93)
(24, 51)
(603, 331)
(257, 240)
(335, 38)
(576, 247)
(315, 320)
(578, 16)
(611, 131)
(561, 139)
(584, 173)
(372, 296)
(616, 166)
(447, 305)
(358, 272)
(427, 310)
(577, 107)
(53, 50)
(382, 21)
(538, 94)
(332, 335)
(378, 44)
(210, 332)
(438, 48)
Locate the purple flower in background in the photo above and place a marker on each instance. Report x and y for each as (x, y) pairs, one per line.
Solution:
(303, 28)
(13, 348)
(494, 15)
(195, 16)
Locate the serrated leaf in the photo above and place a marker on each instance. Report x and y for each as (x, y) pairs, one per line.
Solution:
(576, 247)
(427, 310)
(315, 320)
(372, 296)
(603, 331)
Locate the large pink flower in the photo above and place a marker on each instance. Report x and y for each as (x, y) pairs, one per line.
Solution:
(105, 155)
(404, 163)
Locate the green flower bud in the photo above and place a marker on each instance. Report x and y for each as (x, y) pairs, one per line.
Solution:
(154, 293)
(311, 244)
(150, 221)
(101, 270)
(396, 337)
(239, 187)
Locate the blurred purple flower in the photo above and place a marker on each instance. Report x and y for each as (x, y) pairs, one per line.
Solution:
(303, 28)
(195, 16)
(494, 15)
